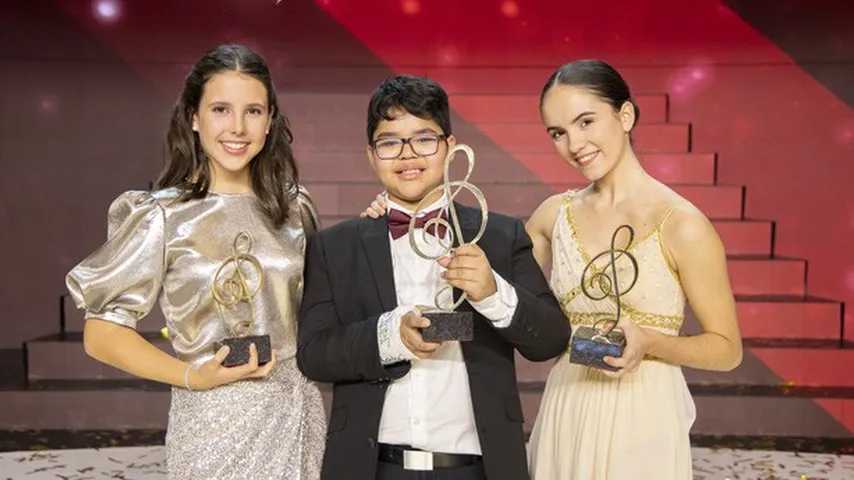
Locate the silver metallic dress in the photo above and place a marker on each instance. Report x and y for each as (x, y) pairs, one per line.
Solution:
(162, 248)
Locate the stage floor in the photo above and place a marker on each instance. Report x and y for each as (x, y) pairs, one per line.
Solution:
(149, 463)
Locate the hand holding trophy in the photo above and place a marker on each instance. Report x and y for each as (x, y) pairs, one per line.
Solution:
(445, 322)
(231, 288)
(590, 345)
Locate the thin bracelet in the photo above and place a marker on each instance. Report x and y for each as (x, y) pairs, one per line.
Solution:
(187, 377)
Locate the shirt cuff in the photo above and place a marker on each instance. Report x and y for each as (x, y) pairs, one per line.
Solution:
(391, 347)
(501, 305)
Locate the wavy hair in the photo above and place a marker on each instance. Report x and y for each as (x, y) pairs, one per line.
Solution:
(275, 179)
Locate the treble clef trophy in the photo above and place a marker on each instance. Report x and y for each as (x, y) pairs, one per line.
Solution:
(604, 339)
(446, 323)
(231, 288)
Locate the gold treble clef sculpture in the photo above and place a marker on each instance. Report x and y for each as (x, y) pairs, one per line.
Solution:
(609, 285)
(590, 345)
(231, 289)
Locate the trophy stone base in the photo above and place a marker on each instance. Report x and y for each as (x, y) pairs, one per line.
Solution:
(238, 353)
(584, 349)
(448, 326)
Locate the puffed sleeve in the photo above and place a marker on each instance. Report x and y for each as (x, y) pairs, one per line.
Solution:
(308, 212)
(120, 282)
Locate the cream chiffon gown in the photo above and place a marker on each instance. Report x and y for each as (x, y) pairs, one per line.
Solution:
(590, 426)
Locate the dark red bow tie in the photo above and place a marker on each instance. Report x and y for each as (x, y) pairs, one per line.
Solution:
(398, 222)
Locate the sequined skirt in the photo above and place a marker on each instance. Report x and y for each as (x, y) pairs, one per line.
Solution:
(266, 429)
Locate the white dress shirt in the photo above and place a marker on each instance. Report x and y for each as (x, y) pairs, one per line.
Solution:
(430, 408)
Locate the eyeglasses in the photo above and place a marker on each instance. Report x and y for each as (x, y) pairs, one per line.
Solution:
(422, 145)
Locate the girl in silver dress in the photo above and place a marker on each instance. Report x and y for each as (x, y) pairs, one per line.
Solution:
(220, 244)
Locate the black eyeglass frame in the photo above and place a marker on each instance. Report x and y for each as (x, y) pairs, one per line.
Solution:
(407, 141)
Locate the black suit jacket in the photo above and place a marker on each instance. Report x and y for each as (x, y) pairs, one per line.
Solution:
(349, 283)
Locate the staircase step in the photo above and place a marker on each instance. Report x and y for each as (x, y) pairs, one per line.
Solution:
(739, 237)
(805, 364)
(82, 405)
(771, 416)
(72, 320)
(62, 357)
(487, 139)
(733, 236)
(12, 366)
(783, 276)
(457, 80)
(762, 275)
(518, 199)
(517, 80)
(316, 107)
(789, 316)
(516, 108)
(736, 414)
(313, 116)
(522, 79)
(717, 414)
(345, 167)
(746, 237)
(806, 378)
(116, 404)
(670, 168)
(817, 364)
(91, 405)
(532, 137)
(531, 372)
(301, 107)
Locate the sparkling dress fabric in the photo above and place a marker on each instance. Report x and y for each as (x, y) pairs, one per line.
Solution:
(160, 248)
(591, 426)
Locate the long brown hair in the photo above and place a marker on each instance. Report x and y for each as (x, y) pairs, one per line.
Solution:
(273, 171)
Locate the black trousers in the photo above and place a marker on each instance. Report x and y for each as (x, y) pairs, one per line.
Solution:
(391, 471)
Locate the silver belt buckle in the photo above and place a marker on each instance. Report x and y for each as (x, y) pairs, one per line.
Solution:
(415, 460)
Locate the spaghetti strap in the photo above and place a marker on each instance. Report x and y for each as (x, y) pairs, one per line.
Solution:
(668, 259)
(664, 218)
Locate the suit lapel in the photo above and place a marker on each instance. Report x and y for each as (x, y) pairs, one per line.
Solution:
(469, 224)
(374, 236)
(469, 221)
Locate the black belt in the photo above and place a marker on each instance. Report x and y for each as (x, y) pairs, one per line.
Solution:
(394, 454)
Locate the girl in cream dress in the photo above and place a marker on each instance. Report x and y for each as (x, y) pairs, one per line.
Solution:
(633, 423)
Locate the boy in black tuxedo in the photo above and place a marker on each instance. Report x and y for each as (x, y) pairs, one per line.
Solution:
(405, 408)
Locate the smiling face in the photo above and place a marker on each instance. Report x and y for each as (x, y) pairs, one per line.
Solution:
(586, 130)
(232, 122)
(409, 177)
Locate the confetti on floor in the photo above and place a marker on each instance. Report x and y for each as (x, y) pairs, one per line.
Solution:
(149, 463)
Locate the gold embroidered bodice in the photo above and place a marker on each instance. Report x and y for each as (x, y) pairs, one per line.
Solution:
(656, 300)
